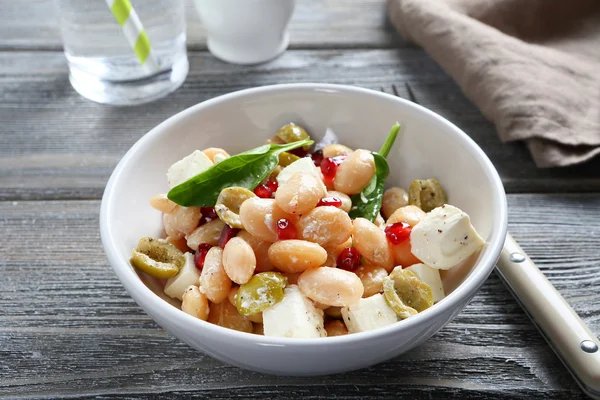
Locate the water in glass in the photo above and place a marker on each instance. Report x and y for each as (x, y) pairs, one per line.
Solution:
(103, 66)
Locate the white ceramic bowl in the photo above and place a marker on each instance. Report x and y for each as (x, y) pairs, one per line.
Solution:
(428, 146)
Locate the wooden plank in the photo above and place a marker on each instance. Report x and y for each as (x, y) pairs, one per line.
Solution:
(315, 24)
(100, 365)
(56, 145)
(67, 326)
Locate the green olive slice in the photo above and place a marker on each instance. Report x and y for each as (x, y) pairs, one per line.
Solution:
(260, 292)
(157, 258)
(406, 294)
(228, 205)
(292, 133)
(286, 158)
(426, 194)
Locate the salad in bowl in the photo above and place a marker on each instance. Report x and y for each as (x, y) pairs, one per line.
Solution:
(302, 240)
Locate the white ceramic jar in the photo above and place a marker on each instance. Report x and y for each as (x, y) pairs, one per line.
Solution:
(246, 31)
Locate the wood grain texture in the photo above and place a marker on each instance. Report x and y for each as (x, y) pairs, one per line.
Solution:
(56, 145)
(315, 23)
(68, 328)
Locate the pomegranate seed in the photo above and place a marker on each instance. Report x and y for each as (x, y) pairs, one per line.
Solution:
(161, 282)
(272, 184)
(263, 192)
(285, 229)
(349, 259)
(317, 157)
(328, 168)
(266, 190)
(208, 214)
(330, 201)
(398, 232)
(330, 165)
(300, 152)
(226, 234)
(200, 255)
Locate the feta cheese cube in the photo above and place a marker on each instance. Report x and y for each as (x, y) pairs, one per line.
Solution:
(368, 314)
(444, 238)
(187, 168)
(304, 165)
(430, 276)
(219, 157)
(295, 316)
(187, 275)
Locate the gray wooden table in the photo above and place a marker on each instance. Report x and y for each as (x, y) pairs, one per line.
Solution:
(69, 329)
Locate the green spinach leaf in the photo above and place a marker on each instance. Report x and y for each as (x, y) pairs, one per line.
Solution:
(389, 141)
(367, 203)
(246, 170)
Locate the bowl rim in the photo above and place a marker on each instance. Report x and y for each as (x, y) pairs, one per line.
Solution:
(463, 293)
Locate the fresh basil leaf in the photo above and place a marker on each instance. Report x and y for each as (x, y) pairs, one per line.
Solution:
(246, 170)
(367, 203)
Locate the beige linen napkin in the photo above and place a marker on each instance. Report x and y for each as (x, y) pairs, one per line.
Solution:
(531, 66)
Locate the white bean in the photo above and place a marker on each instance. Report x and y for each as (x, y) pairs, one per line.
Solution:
(214, 281)
(239, 260)
(393, 199)
(355, 172)
(182, 219)
(372, 243)
(161, 203)
(372, 278)
(335, 150)
(326, 226)
(331, 286)
(299, 194)
(195, 303)
(412, 215)
(257, 217)
(346, 200)
(226, 315)
(296, 255)
(209, 232)
(335, 328)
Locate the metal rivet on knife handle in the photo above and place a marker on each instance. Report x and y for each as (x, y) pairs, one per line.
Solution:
(517, 257)
(589, 347)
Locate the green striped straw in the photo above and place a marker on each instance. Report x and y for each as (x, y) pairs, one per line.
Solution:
(134, 32)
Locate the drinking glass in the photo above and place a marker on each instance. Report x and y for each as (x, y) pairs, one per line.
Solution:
(105, 67)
